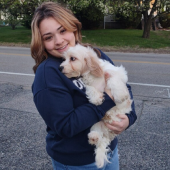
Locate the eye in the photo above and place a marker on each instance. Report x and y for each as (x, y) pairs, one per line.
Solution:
(48, 38)
(72, 59)
(62, 31)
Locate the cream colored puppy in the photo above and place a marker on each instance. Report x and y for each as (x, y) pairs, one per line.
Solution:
(83, 61)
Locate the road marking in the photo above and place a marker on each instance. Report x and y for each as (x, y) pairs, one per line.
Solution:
(145, 62)
(20, 74)
(151, 85)
(140, 84)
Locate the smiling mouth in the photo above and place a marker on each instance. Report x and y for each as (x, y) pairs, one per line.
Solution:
(62, 47)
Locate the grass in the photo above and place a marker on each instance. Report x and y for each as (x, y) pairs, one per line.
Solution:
(20, 35)
(118, 38)
(127, 38)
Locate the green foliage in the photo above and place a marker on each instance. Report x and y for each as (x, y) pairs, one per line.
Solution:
(16, 11)
(90, 17)
(4, 4)
(12, 21)
(127, 15)
(89, 12)
(28, 8)
(78, 5)
(165, 20)
(12, 14)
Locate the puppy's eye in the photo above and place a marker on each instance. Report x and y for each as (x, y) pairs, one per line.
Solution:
(72, 58)
(63, 59)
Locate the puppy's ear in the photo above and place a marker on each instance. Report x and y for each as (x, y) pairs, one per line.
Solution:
(94, 66)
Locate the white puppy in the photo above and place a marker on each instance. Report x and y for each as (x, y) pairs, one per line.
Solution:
(96, 75)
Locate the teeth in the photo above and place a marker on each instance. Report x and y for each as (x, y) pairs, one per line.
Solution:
(61, 48)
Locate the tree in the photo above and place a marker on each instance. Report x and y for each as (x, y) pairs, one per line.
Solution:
(147, 8)
(123, 12)
(11, 13)
(16, 11)
(89, 12)
(4, 4)
(164, 16)
(28, 8)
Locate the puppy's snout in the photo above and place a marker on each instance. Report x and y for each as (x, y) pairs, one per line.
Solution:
(61, 68)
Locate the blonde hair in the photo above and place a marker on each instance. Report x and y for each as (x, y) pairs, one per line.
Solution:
(63, 16)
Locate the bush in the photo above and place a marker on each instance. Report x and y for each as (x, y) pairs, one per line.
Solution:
(90, 17)
(164, 20)
(26, 21)
(129, 21)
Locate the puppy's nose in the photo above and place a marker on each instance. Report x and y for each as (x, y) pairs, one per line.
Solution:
(61, 68)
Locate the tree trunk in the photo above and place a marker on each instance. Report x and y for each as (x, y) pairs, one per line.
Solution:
(148, 21)
(13, 27)
(147, 25)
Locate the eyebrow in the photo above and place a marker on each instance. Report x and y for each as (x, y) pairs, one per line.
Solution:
(50, 33)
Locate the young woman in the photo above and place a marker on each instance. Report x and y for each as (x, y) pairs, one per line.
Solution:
(62, 102)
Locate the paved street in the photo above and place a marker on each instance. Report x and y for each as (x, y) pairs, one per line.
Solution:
(144, 146)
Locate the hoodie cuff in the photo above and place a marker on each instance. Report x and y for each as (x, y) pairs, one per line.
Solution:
(107, 104)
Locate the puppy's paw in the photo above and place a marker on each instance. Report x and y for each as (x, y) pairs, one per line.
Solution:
(97, 98)
(94, 96)
(94, 137)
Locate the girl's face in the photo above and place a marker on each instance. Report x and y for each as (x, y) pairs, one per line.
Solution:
(55, 37)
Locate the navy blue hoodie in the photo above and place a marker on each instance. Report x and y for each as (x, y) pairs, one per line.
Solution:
(63, 105)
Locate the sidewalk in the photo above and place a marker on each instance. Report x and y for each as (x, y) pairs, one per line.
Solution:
(144, 146)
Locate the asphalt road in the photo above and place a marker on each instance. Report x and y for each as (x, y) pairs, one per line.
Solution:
(144, 146)
(149, 74)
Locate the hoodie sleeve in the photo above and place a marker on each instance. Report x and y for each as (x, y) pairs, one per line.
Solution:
(57, 109)
(132, 115)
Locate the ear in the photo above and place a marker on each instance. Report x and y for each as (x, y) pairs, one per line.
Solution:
(94, 66)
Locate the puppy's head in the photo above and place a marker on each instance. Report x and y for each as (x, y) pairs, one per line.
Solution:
(80, 60)
(74, 62)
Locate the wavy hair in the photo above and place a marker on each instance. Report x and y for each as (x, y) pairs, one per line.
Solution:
(63, 16)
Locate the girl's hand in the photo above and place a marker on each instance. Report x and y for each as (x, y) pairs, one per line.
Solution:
(119, 127)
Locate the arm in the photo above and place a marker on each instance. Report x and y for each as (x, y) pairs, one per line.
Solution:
(56, 106)
(57, 109)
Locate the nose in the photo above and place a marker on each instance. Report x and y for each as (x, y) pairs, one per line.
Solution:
(58, 40)
(61, 68)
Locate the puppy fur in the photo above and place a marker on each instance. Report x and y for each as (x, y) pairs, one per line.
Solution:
(98, 74)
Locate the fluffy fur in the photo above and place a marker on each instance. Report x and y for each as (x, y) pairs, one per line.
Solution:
(96, 75)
